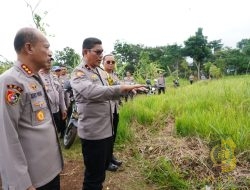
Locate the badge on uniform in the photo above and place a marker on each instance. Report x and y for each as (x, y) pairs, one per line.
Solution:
(94, 77)
(79, 73)
(40, 115)
(13, 94)
(26, 69)
(33, 86)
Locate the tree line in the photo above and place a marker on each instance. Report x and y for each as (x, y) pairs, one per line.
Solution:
(207, 58)
(211, 59)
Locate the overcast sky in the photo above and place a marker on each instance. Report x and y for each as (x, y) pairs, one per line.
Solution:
(147, 22)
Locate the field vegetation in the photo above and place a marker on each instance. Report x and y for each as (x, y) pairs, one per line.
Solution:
(178, 140)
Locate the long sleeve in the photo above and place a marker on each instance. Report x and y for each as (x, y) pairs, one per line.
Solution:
(13, 163)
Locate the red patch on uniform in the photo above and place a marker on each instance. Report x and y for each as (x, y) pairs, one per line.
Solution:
(12, 96)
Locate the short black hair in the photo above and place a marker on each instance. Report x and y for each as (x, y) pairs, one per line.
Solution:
(89, 43)
(23, 36)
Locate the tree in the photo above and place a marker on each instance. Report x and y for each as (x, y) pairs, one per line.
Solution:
(214, 72)
(244, 46)
(146, 69)
(215, 45)
(175, 55)
(5, 64)
(67, 57)
(197, 47)
(128, 54)
(37, 19)
(234, 61)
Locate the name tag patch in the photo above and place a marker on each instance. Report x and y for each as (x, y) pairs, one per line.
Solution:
(36, 94)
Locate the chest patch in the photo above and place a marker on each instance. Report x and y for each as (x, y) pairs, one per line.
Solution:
(33, 86)
(40, 115)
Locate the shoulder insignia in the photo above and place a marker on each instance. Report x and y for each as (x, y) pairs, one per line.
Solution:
(12, 96)
(79, 73)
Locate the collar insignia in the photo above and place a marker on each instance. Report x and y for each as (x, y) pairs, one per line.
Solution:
(26, 69)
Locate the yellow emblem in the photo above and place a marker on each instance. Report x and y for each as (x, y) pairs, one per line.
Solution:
(26, 69)
(222, 155)
(40, 104)
(40, 115)
(33, 86)
(93, 77)
(79, 73)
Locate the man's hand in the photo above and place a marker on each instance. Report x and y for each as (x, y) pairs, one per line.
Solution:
(31, 188)
(127, 88)
(64, 115)
(142, 89)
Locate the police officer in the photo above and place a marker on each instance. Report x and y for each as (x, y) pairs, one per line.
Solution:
(56, 97)
(129, 79)
(161, 84)
(30, 152)
(64, 80)
(112, 79)
(92, 95)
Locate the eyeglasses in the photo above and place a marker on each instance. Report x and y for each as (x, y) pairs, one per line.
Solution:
(98, 52)
(110, 62)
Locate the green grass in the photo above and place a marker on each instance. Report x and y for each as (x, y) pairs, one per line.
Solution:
(75, 151)
(162, 172)
(212, 110)
(208, 109)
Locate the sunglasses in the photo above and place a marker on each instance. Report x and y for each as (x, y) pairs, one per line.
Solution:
(98, 52)
(110, 62)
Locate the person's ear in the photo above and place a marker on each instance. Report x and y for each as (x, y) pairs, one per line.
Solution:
(84, 51)
(28, 48)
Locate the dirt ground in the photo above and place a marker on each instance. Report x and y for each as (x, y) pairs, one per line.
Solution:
(72, 175)
(127, 177)
(123, 179)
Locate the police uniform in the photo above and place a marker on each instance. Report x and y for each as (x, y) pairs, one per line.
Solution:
(56, 98)
(128, 81)
(64, 79)
(113, 79)
(92, 95)
(30, 152)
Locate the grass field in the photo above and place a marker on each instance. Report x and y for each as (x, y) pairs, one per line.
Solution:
(211, 109)
(205, 116)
